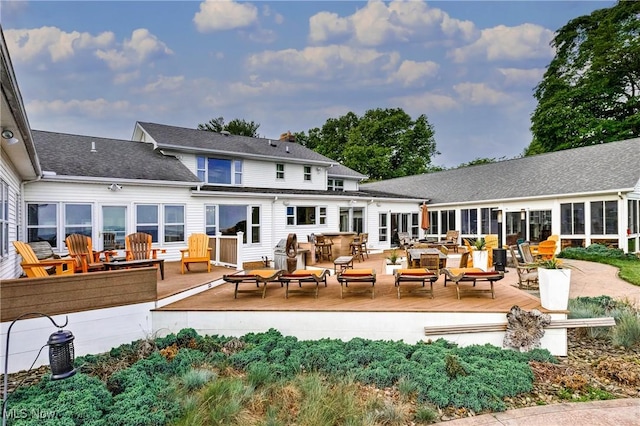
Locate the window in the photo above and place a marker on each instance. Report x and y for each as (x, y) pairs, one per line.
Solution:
(414, 225)
(173, 223)
(350, 219)
(489, 221)
(77, 219)
(4, 218)
(433, 222)
(210, 220)
(335, 185)
(323, 215)
(469, 221)
(255, 224)
(219, 170)
(572, 218)
(448, 220)
(279, 171)
(604, 217)
(382, 227)
(633, 219)
(147, 220)
(539, 225)
(307, 173)
(233, 219)
(306, 215)
(42, 223)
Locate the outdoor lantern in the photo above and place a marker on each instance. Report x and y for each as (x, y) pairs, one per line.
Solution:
(61, 354)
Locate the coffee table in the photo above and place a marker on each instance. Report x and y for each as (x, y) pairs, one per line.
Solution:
(344, 262)
(136, 264)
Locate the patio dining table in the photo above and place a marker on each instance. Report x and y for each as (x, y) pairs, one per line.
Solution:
(414, 255)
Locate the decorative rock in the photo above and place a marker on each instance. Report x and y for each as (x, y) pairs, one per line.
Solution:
(525, 329)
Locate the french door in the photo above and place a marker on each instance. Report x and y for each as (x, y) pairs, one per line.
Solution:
(114, 227)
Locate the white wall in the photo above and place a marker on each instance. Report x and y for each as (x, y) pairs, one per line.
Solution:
(10, 264)
(94, 331)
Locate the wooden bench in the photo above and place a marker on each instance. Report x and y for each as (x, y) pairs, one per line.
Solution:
(344, 262)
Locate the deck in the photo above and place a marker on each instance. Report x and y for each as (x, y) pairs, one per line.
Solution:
(220, 296)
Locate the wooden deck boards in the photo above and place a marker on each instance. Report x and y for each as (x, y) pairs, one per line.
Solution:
(221, 298)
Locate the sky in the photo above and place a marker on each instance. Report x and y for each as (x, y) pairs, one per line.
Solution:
(471, 67)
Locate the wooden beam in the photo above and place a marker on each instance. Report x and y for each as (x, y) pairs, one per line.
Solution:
(555, 324)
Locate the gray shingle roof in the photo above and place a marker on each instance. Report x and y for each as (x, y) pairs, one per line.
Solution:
(610, 166)
(70, 155)
(339, 170)
(181, 138)
(294, 192)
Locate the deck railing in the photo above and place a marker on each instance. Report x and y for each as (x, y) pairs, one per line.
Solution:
(227, 249)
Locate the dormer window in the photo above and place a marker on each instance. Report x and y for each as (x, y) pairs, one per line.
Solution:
(335, 185)
(222, 171)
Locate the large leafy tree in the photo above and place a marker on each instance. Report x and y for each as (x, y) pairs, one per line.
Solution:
(383, 143)
(236, 126)
(590, 92)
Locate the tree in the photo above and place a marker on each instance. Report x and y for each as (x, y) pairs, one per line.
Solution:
(382, 144)
(236, 126)
(590, 92)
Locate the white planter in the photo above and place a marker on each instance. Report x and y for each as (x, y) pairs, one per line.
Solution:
(554, 288)
(480, 259)
(389, 269)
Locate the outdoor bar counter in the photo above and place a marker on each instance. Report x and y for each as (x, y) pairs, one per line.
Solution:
(341, 242)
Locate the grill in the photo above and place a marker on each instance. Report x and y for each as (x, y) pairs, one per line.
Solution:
(280, 256)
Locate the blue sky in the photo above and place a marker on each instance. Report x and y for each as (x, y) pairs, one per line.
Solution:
(95, 68)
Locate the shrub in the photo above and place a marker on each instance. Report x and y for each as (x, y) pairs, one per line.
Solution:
(627, 330)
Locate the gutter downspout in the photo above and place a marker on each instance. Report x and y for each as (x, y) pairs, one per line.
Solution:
(22, 206)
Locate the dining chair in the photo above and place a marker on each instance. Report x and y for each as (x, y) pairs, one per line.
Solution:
(525, 251)
(323, 247)
(431, 261)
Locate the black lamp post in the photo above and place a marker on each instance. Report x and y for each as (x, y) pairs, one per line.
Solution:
(61, 356)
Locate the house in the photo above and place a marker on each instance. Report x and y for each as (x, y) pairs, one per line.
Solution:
(585, 195)
(170, 182)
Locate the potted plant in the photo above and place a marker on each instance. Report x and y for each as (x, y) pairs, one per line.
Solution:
(554, 280)
(480, 254)
(393, 262)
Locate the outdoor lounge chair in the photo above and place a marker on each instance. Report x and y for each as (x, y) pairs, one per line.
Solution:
(255, 276)
(474, 277)
(527, 274)
(356, 276)
(36, 268)
(546, 249)
(81, 249)
(198, 251)
(139, 247)
(416, 275)
(313, 276)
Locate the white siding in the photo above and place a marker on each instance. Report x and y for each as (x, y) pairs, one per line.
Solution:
(10, 264)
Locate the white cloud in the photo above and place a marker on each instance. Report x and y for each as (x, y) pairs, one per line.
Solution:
(378, 23)
(480, 94)
(519, 77)
(323, 62)
(126, 77)
(426, 102)
(513, 43)
(142, 47)
(164, 84)
(326, 26)
(222, 15)
(96, 108)
(412, 73)
(30, 44)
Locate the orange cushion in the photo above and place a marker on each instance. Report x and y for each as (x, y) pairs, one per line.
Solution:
(357, 272)
(415, 271)
(466, 271)
(303, 272)
(264, 273)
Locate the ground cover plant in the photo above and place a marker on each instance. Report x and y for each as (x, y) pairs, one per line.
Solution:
(627, 263)
(268, 378)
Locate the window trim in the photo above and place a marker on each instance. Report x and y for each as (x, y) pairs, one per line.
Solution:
(236, 169)
(279, 171)
(306, 173)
